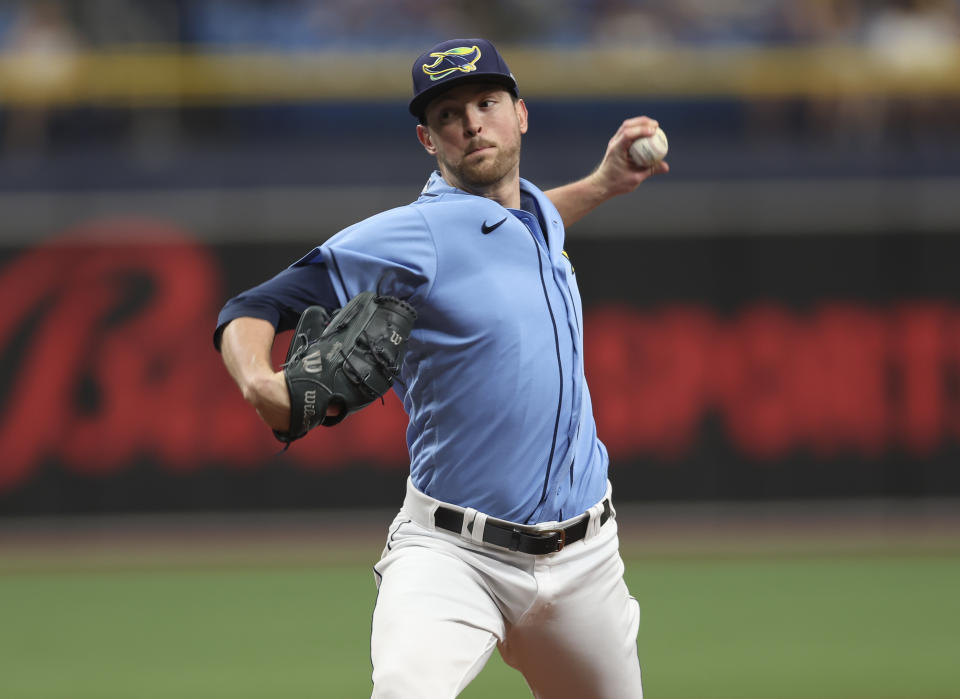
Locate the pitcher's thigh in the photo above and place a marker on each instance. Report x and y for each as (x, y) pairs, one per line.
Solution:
(434, 626)
(584, 647)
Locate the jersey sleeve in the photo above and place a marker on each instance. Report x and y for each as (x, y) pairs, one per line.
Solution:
(281, 300)
(392, 253)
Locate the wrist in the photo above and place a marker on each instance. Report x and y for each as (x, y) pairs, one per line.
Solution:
(612, 182)
(269, 396)
(262, 387)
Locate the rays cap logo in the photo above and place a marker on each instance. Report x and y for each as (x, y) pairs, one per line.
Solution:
(455, 62)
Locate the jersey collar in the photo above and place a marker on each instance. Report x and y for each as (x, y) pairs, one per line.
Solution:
(436, 186)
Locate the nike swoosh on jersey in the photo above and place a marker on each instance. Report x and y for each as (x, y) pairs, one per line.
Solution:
(486, 228)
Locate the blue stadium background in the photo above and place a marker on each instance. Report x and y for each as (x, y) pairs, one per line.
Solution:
(199, 146)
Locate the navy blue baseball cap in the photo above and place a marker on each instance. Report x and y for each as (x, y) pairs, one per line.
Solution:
(455, 62)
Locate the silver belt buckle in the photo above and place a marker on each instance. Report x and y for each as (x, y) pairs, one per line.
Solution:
(561, 542)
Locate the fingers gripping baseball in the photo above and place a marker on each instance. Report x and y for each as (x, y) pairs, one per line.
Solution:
(619, 171)
(347, 361)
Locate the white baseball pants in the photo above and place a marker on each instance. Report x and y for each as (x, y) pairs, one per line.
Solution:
(565, 620)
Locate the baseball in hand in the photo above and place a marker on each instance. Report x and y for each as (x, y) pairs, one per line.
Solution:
(650, 150)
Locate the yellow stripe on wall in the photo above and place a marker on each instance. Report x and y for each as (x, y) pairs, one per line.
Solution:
(152, 76)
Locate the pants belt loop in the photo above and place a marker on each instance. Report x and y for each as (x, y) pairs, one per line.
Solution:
(593, 527)
(473, 524)
(431, 511)
(479, 523)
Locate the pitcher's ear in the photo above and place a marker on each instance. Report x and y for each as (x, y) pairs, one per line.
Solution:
(423, 135)
(521, 108)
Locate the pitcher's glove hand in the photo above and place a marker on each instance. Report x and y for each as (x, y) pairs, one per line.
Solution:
(348, 361)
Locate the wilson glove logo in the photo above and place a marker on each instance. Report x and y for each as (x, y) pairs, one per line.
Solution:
(462, 59)
(309, 407)
(313, 362)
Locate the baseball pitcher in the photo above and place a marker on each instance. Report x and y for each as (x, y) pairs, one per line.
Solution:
(465, 303)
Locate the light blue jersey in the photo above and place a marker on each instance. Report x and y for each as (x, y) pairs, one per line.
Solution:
(500, 415)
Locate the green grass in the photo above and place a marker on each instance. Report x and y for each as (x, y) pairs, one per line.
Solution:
(869, 626)
(857, 626)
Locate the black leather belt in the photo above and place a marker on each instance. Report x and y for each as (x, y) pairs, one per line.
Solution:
(523, 539)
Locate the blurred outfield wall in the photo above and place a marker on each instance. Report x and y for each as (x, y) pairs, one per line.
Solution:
(777, 318)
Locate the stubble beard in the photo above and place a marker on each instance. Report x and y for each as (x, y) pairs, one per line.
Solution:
(481, 175)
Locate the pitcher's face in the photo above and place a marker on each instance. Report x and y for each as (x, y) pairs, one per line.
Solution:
(474, 131)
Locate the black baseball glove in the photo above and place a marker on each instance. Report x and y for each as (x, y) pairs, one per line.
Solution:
(347, 361)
